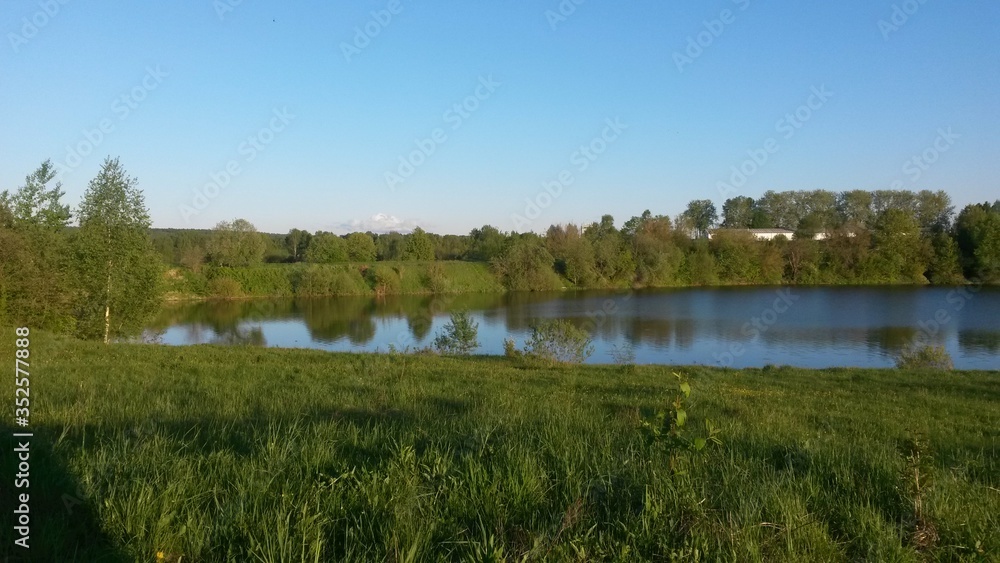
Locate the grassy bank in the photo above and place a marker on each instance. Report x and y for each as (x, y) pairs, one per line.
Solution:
(249, 454)
(306, 280)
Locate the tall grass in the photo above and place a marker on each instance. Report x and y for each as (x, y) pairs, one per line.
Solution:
(248, 454)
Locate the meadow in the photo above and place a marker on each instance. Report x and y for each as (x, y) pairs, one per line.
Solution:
(204, 453)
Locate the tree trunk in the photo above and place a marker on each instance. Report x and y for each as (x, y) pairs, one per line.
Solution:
(107, 308)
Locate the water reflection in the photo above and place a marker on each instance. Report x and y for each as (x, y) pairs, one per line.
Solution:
(820, 327)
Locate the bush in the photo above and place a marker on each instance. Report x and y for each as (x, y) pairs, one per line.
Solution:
(316, 280)
(925, 357)
(459, 335)
(510, 348)
(225, 288)
(384, 280)
(559, 341)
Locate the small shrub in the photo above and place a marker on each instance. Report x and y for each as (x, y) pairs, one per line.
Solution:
(669, 428)
(559, 341)
(225, 288)
(384, 279)
(459, 335)
(925, 357)
(510, 348)
(436, 280)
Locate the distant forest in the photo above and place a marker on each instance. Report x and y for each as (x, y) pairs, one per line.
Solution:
(99, 269)
(880, 237)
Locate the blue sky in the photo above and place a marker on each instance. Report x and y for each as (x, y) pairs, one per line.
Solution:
(312, 119)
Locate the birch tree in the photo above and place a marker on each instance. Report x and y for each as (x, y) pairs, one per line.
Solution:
(119, 271)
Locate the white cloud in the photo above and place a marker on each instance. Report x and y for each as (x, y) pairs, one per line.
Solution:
(378, 223)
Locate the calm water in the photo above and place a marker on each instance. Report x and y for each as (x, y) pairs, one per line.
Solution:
(739, 327)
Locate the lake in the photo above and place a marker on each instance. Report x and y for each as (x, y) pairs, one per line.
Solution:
(738, 327)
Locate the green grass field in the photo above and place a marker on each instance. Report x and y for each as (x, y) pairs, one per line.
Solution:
(248, 454)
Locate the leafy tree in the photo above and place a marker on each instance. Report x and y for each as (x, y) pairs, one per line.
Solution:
(934, 211)
(237, 244)
(944, 267)
(451, 247)
(418, 246)
(326, 248)
(361, 247)
(977, 231)
(36, 285)
(460, 335)
(525, 265)
(809, 226)
(702, 269)
(573, 254)
(118, 270)
(900, 200)
(296, 242)
(390, 246)
(486, 243)
(658, 259)
(737, 213)
(735, 254)
(780, 209)
(802, 260)
(899, 252)
(36, 205)
(702, 215)
(855, 208)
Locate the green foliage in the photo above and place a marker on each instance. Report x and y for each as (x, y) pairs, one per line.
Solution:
(117, 269)
(526, 266)
(361, 247)
(236, 244)
(36, 277)
(459, 336)
(925, 357)
(317, 280)
(418, 246)
(259, 281)
(326, 248)
(225, 288)
(669, 428)
(702, 215)
(296, 242)
(510, 348)
(383, 279)
(558, 341)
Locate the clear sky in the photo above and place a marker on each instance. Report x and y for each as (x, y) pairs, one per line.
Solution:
(317, 108)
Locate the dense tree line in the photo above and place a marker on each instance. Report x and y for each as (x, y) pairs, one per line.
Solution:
(97, 270)
(867, 238)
